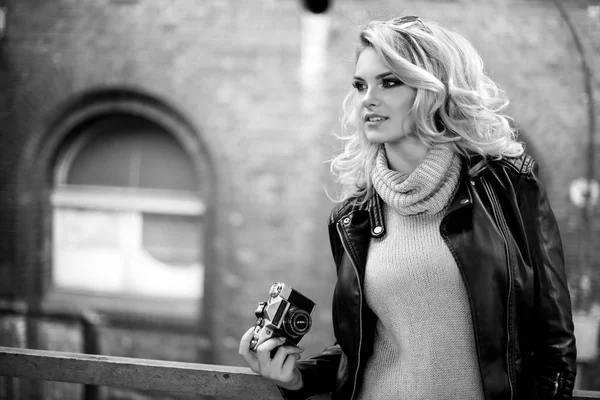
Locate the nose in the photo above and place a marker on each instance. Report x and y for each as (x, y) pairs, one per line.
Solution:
(371, 98)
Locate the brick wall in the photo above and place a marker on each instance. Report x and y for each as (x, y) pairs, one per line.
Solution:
(231, 68)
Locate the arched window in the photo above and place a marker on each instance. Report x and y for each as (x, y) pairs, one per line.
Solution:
(127, 219)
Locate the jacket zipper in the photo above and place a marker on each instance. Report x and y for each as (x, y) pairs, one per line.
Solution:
(503, 229)
(557, 384)
(345, 245)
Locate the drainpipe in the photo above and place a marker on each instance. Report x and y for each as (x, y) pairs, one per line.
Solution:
(586, 326)
(590, 187)
(2, 21)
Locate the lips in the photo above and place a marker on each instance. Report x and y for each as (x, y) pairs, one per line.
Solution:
(374, 118)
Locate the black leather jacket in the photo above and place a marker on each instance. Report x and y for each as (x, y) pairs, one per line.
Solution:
(505, 240)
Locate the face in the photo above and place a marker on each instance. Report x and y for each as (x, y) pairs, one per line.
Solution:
(383, 101)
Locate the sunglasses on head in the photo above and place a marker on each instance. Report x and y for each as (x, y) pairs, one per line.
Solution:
(408, 19)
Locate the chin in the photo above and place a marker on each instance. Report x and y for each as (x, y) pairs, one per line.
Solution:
(381, 137)
(374, 136)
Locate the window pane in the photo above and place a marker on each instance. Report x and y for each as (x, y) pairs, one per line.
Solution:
(87, 249)
(128, 252)
(172, 239)
(131, 152)
(164, 165)
(169, 259)
(157, 279)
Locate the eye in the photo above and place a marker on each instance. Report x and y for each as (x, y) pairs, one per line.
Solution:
(359, 86)
(390, 83)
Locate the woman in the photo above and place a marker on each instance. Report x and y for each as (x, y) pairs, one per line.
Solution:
(450, 275)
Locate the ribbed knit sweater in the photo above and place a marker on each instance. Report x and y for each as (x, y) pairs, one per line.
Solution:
(424, 343)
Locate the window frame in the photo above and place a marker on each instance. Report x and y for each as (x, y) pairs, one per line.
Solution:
(33, 253)
(123, 199)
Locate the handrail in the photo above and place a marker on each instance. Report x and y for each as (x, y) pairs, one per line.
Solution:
(136, 373)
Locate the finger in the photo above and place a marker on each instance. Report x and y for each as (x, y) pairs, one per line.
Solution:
(287, 370)
(275, 367)
(263, 351)
(283, 352)
(245, 342)
(245, 352)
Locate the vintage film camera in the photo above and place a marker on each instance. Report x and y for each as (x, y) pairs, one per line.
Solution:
(286, 314)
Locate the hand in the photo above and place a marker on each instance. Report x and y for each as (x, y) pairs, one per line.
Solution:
(281, 369)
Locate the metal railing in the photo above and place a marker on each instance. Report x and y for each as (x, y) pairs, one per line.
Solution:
(89, 322)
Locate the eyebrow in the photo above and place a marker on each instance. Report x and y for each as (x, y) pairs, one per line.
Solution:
(380, 76)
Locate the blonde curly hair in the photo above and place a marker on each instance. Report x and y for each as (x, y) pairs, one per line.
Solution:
(456, 102)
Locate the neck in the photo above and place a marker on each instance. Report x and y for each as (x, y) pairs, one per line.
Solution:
(406, 154)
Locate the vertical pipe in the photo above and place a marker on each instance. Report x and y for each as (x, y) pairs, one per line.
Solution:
(586, 253)
(91, 345)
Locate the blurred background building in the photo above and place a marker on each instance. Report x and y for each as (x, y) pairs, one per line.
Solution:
(162, 162)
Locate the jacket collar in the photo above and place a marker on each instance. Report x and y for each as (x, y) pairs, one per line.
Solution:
(462, 196)
(375, 208)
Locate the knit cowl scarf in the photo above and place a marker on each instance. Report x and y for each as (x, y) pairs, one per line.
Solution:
(428, 189)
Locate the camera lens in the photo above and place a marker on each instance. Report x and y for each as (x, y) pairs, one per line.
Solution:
(297, 322)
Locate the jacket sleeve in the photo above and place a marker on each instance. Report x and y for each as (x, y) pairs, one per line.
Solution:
(554, 353)
(319, 373)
